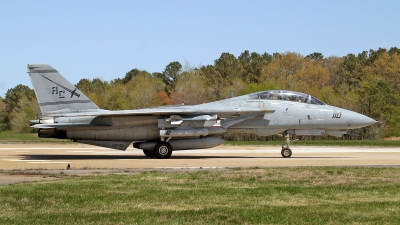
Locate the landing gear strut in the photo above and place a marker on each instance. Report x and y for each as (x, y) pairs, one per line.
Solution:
(286, 151)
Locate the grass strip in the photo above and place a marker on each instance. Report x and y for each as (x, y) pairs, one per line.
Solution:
(9, 137)
(239, 196)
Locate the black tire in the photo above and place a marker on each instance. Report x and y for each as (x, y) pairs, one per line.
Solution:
(286, 152)
(163, 150)
(149, 153)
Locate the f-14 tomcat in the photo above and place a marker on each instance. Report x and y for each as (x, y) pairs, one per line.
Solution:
(68, 114)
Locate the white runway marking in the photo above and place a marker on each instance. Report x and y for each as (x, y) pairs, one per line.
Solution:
(82, 151)
(21, 160)
(126, 159)
(294, 149)
(34, 161)
(49, 148)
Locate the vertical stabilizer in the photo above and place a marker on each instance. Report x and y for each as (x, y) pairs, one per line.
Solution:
(54, 92)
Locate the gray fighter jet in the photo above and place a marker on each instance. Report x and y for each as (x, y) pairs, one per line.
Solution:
(68, 114)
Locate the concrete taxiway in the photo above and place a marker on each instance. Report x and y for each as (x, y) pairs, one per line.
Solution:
(79, 156)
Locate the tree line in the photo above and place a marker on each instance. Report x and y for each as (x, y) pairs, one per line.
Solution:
(367, 82)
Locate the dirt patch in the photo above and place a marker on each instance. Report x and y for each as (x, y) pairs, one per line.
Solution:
(19, 176)
(392, 139)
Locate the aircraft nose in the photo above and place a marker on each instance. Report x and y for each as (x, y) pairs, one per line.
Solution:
(357, 120)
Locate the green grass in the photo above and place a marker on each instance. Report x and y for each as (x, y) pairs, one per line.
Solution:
(10, 137)
(378, 143)
(240, 196)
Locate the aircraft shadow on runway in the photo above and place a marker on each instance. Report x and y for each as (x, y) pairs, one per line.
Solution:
(127, 157)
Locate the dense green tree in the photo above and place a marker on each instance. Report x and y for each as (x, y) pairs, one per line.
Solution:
(394, 50)
(386, 66)
(3, 125)
(253, 87)
(294, 72)
(85, 85)
(332, 64)
(12, 102)
(13, 96)
(99, 85)
(222, 74)
(190, 89)
(234, 89)
(128, 76)
(379, 100)
(227, 67)
(252, 65)
(374, 55)
(2, 105)
(141, 89)
(282, 68)
(315, 56)
(26, 109)
(170, 75)
(117, 98)
(96, 90)
(351, 70)
(211, 78)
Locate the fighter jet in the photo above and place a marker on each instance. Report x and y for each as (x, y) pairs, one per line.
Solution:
(67, 113)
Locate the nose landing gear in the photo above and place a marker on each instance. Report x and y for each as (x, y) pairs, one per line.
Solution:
(286, 151)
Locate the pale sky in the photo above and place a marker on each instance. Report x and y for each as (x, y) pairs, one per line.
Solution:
(105, 39)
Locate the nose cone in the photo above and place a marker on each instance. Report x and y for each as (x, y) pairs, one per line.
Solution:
(357, 120)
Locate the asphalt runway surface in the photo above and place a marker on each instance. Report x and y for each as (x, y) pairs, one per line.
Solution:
(80, 156)
(33, 162)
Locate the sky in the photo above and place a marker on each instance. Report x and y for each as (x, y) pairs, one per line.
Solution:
(105, 39)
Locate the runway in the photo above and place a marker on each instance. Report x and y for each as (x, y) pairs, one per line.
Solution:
(85, 157)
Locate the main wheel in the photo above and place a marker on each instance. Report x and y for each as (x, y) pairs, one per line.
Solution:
(286, 152)
(149, 153)
(163, 150)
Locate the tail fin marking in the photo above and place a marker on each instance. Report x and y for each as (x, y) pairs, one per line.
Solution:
(51, 87)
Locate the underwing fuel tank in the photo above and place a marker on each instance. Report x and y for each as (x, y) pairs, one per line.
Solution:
(184, 133)
(183, 144)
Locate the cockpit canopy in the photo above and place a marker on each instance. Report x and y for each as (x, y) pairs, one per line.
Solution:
(287, 96)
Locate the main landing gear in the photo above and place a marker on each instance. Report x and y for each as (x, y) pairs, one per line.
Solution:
(286, 151)
(162, 150)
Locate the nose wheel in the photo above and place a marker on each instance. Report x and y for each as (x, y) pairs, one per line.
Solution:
(286, 151)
